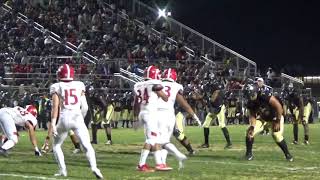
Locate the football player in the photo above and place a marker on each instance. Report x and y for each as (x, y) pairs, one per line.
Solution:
(263, 109)
(146, 99)
(9, 118)
(217, 109)
(300, 108)
(69, 100)
(174, 92)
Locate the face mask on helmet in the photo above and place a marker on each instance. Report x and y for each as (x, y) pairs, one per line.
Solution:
(250, 92)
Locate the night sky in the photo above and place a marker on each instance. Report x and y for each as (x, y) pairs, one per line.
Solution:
(272, 32)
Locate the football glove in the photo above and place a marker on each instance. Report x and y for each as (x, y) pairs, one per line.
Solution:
(195, 117)
(37, 152)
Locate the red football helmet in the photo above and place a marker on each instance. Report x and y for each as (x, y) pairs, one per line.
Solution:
(65, 73)
(151, 72)
(32, 110)
(169, 74)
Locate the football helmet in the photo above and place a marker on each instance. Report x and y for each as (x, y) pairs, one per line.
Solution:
(32, 110)
(65, 73)
(169, 74)
(250, 91)
(151, 72)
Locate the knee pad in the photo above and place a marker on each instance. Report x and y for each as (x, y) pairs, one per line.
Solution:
(278, 137)
(178, 135)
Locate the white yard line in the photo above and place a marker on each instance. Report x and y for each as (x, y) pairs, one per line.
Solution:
(27, 177)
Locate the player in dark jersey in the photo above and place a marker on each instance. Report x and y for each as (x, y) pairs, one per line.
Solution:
(300, 108)
(217, 109)
(263, 109)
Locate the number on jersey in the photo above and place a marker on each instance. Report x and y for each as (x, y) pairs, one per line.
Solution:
(143, 96)
(69, 95)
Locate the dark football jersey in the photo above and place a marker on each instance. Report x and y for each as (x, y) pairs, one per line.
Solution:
(261, 107)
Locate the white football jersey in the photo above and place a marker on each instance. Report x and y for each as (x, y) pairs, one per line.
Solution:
(171, 89)
(21, 116)
(69, 94)
(146, 97)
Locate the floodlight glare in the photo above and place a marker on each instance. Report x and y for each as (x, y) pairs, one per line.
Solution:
(161, 13)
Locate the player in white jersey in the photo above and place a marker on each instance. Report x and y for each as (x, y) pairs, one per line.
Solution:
(147, 95)
(9, 118)
(167, 123)
(68, 99)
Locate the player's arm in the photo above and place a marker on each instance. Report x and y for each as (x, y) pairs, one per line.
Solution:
(32, 137)
(54, 113)
(214, 95)
(279, 110)
(185, 105)
(157, 88)
(84, 104)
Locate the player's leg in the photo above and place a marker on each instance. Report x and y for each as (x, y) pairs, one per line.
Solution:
(107, 125)
(178, 133)
(278, 138)
(222, 119)
(75, 142)
(307, 112)
(57, 150)
(206, 131)
(10, 131)
(83, 134)
(94, 131)
(295, 114)
(250, 140)
(142, 165)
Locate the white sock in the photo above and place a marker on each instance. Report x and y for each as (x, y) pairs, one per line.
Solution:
(58, 154)
(91, 156)
(158, 157)
(144, 156)
(7, 145)
(172, 149)
(164, 154)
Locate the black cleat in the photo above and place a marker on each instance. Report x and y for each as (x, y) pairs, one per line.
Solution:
(228, 146)
(249, 157)
(289, 157)
(204, 145)
(191, 153)
(295, 142)
(3, 152)
(306, 142)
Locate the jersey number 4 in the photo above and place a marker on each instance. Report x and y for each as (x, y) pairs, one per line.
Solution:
(70, 94)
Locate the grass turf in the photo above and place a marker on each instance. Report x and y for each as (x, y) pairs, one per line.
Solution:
(119, 160)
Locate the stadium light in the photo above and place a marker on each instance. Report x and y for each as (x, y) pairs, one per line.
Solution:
(162, 13)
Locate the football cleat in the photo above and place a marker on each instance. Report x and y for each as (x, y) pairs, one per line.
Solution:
(98, 174)
(144, 168)
(61, 173)
(306, 142)
(109, 142)
(204, 145)
(295, 142)
(162, 167)
(249, 157)
(76, 151)
(228, 146)
(3, 152)
(192, 152)
(289, 157)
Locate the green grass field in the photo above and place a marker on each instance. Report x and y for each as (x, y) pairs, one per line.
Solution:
(119, 160)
